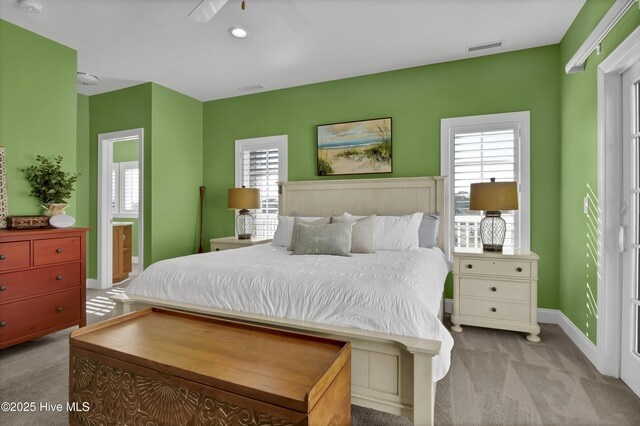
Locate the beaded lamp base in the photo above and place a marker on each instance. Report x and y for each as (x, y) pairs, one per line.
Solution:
(493, 229)
(244, 225)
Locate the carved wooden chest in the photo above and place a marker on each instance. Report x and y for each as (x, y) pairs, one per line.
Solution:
(164, 367)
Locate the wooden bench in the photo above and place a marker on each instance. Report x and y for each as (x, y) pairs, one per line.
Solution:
(158, 366)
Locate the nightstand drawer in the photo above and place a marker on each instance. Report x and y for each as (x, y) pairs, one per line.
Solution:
(500, 310)
(503, 268)
(495, 289)
(222, 247)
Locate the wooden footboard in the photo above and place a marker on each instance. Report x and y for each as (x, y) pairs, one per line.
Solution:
(389, 373)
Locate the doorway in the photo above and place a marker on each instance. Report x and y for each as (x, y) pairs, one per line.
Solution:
(120, 206)
(630, 235)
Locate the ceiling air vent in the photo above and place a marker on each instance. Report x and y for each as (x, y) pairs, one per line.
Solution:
(251, 88)
(484, 46)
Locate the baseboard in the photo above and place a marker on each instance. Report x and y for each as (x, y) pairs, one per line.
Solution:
(93, 283)
(555, 316)
(134, 259)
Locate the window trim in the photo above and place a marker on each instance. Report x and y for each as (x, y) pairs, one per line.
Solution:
(279, 142)
(447, 127)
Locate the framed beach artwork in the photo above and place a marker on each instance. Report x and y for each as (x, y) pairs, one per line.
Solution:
(354, 147)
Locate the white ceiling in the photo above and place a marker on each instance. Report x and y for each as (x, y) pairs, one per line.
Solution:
(126, 42)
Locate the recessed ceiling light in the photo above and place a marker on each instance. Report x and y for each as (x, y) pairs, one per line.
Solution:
(31, 6)
(238, 32)
(87, 79)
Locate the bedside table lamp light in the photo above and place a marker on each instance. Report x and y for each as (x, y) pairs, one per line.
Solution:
(492, 197)
(244, 199)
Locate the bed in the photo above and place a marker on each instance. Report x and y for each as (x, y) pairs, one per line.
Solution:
(389, 310)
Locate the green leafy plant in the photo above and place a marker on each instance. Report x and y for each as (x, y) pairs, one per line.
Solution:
(49, 183)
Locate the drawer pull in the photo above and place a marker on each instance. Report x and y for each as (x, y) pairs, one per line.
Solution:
(59, 309)
(469, 266)
(494, 310)
(2, 288)
(59, 277)
(494, 289)
(3, 324)
(519, 269)
(59, 250)
(2, 257)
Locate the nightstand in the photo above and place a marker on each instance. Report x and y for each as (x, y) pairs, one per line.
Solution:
(228, 243)
(496, 290)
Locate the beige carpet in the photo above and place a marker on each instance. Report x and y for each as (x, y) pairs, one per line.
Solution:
(496, 378)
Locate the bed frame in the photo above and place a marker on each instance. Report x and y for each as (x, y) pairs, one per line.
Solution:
(390, 373)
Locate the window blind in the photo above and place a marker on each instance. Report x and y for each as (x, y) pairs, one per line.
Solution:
(130, 191)
(115, 171)
(480, 155)
(261, 170)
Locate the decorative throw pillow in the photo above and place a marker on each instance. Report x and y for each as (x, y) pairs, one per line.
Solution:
(428, 231)
(397, 233)
(284, 231)
(328, 239)
(307, 221)
(362, 233)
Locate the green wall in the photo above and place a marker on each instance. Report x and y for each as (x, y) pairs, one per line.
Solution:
(177, 172)
(579, 177)
(37, 109)
(172, 125)
(124, 109)
(417, 99)
(125, 151)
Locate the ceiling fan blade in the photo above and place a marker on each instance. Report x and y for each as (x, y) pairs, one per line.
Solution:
(206, 10)
(292, 15)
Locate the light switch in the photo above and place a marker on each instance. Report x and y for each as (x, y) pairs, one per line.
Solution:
(585, 204)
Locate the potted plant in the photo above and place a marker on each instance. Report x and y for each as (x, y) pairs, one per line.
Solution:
(50, 184)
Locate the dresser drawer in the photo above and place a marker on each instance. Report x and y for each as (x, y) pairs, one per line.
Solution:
(37, 281)
(33, 315)
(56, 250)
(497, 267)
(495, 289)
(14, 255)
(500, 310)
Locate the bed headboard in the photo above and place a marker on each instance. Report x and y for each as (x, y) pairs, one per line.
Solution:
(386, 196)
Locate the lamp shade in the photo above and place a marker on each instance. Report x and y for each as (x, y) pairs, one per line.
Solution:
(494, 196)
(244, 198)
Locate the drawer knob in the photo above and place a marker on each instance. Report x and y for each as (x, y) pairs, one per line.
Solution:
(59, 309)
(519, 269)
(3, 324)
(59, 278)
(2, 257)
(2, 288)
(59, 250)
(470, 266)
(494, 289)
(494, 310)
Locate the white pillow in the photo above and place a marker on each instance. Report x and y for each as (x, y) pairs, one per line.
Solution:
(284, 231)
(397, 233)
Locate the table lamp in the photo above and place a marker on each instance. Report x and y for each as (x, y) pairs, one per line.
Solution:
(492, 197)
(244, 199)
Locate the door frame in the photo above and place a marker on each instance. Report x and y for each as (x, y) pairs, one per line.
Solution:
(105, 214)
(610, 134)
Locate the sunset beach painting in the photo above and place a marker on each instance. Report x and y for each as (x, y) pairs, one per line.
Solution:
(354, 147)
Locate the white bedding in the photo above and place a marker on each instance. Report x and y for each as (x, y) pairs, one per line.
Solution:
(391, 292)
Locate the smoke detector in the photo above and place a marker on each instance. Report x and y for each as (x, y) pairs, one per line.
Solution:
(87, 79)
(31, 6)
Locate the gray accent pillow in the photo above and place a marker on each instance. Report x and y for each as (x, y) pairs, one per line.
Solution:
(296, 223)
(428, 231)
(330, 239)
(362, 233)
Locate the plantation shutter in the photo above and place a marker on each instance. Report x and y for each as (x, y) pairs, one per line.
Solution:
(115, 171)
(482, 153)
(129, 187)
(260, 169)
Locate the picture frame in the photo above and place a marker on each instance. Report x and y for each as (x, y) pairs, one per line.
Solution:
(354, 147)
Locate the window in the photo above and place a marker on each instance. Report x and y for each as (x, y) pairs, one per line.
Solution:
(476, 149)
(262, 163)
(125, 189)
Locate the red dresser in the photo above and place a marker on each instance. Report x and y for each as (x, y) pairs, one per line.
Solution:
(42, 282)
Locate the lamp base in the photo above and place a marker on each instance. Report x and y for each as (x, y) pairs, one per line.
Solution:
(244, 225)
(493, 229)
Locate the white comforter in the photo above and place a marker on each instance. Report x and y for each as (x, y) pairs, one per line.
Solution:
(391, 292)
